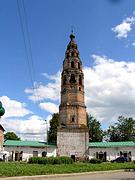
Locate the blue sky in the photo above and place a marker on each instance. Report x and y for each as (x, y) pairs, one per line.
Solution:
(104, 31)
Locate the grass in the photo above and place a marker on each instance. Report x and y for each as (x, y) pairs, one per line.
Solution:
(9, 169)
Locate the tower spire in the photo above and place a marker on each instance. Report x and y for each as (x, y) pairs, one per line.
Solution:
(72, 36)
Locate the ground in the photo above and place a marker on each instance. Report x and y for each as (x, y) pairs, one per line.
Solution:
(100, 175)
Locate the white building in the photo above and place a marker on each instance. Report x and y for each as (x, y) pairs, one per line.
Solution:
(23, 150)
(108, 151)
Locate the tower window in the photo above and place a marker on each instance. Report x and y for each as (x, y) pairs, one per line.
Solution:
(72, 64)
(72, 54)
(67, 55)
(78, 65)
(72, 79)
(79, 88)
(80, 80)
(64, 80)
(73, 119)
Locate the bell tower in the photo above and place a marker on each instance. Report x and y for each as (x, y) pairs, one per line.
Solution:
(72, 108)
(72, 136)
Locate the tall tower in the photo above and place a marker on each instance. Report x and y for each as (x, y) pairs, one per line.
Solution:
(72, 136)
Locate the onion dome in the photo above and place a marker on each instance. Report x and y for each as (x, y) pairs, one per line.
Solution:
(72, 50)
(2, 110)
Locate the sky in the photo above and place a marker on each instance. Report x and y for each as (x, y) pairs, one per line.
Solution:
(33, 38)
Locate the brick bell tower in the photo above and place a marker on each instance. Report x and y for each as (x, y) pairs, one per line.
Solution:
(72, 135)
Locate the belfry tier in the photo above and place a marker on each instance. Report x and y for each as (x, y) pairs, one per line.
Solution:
(72, 88)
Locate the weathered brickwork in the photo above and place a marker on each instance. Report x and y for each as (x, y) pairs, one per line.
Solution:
(1, 137)
(72, 136)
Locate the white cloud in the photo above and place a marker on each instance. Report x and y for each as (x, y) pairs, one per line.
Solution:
(124, 28)
(50, 91)
(33, 128)
(49, 107)
(133, 44)
(110, 88)
(14, 108)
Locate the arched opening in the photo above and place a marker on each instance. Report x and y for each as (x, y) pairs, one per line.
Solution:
(73, 119)
(72, 64)
(80, 80)
(44, 153)
(72, 79)
(64, 80)
(79, 88)
(67, 55)
(72, 54)
(78, 65)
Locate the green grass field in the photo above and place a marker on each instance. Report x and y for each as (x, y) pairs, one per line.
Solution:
(24, 169)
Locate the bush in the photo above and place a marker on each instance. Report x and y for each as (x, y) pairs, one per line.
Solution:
(95, 161)
(50, 160)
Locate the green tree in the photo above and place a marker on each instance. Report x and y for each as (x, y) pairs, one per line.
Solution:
(54, 123)
(95, 131)
(123, 130)
(11, 136)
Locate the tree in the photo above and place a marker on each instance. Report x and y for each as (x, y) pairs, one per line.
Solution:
(123, 130)
(54, 123)
(95, 131)
(11, 136)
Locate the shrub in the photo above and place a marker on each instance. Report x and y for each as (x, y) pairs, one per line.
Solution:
(95, 161)
(50, 160)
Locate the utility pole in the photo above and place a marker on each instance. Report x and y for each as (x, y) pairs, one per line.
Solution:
(46, 136)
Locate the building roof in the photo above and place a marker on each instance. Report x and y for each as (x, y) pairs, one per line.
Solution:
(26, 143)
(111, 144)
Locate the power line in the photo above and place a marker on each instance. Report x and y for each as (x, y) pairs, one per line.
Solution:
(28, 36)
(28, 51)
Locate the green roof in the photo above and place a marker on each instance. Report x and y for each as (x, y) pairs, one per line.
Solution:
(26, 143)
(111, 144)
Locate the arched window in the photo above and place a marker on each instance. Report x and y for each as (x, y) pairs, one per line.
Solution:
(72, 54)
(78, 65)
(64, 80)
(67, 55)
(72, 64)
(72, 79)
(44, 153)
(80, 80)
(73, 119)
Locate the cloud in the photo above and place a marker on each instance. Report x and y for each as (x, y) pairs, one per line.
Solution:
(110, 88)
(124, 28)
(49, 107)
(33, 128)
(133, 44)
(49, 91)
(14, 108)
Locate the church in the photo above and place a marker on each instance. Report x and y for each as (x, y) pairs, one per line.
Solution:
(72, 133)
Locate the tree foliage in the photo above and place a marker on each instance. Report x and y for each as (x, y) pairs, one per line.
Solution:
(11, 136)
(123, 130)
(95, 131)
(54, 123)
